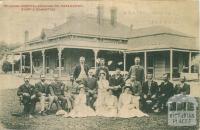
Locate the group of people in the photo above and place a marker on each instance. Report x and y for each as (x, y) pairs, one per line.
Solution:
(99, 94)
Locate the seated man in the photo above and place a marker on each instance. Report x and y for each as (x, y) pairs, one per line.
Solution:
(42, 94)
(182, 87)
(116, 83)
(136, 86)
(166, 91)
(149, 94)
(57, 90)
(27, 94)
(91, 89)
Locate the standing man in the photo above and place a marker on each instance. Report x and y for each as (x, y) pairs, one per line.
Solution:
(81, 70)
(149, 94)
(136, 87)
(182, 87)
(102, 67)
(166, 91)
(116, 83)
(42, 94)
(27, 95)
(91, 89)
(57, 90)
(137, 70)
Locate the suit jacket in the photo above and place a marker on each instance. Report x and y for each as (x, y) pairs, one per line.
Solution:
(185, 89)
(166, 89)
(153, 89)
(57, 89)
(77, 70)
(104, 68)
(117, 82)
(24, 89)
(91, 84)
(138, 71)
(41, 88)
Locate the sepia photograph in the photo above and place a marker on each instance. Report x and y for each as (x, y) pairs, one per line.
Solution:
(99, 65)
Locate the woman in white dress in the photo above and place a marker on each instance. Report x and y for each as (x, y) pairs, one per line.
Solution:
(128, 105)
(103, 85)
(110, 104)
(80, 107)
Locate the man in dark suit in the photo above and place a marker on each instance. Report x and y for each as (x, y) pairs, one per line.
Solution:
(81, 70)
(166, 90)
(137, 70)
(102, 67)
(43, 95)
(182, 87)
(57, 90)
(116, 83)
(27, 95)
(149, 94)
(91, 89)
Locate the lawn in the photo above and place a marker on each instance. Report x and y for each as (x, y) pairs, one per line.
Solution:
(10, 103)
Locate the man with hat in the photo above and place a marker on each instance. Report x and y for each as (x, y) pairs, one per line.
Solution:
(42, 94)
(149, 93)
(116, 82)
(137, 70)
(81, 70)
(57, 90)
(26, 92)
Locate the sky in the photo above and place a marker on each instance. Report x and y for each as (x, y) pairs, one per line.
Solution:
(181, 15)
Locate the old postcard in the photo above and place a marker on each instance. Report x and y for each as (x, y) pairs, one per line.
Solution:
(105, 65)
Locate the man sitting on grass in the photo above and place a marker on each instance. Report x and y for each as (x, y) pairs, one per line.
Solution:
(57, 90)
(166, 90)
(26, 92)
(42, 94)
(149, 94)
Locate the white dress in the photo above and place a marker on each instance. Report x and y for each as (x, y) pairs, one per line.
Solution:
(80, 108)
(103, 85)
(110, 106)
(129, 106)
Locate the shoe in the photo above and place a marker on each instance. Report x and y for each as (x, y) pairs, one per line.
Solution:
(43, 113)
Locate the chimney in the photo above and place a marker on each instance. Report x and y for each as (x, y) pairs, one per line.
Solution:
(100, 11)
(113, 15)
(26, 36)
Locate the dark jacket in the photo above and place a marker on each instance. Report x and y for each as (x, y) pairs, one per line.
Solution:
(153, 89)
(105, 69)
(184, 90)
(166, 89)
(77, 70)
(117, 82)
(57, 89)
(41, 88)
(24, 89)
(138, 71)
(91, 84)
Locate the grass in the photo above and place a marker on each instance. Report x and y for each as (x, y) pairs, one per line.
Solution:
(10, 103)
